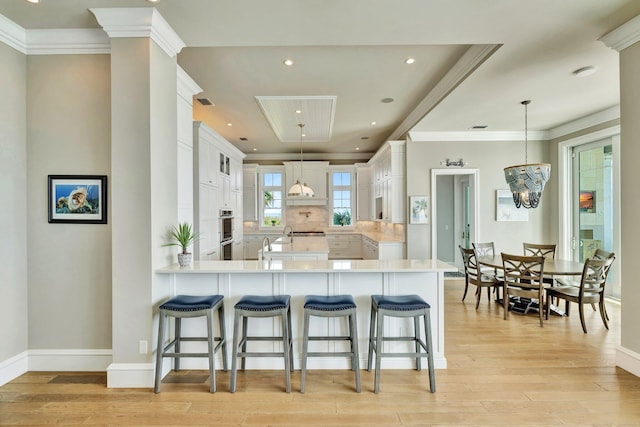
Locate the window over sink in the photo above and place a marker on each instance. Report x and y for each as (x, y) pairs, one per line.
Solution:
(271, 202)
(342, 198)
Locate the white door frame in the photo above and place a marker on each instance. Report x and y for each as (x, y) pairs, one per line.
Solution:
(474, 186)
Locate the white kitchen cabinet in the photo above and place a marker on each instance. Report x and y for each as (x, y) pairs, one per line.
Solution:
(391, 250)
(314, 174)
(225, 192)
(345, 246)
(369, 248)
(363, 193)
(250, 192)
(387, 182)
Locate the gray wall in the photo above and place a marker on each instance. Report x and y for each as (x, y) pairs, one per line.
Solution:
(68, 104)
(490, 158)
(629, 206)
(446, 224)
(13, 190)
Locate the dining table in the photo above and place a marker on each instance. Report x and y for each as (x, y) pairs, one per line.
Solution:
(552, 267)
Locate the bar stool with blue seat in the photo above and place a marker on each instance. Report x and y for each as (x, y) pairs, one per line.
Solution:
(331, 306)
(400, 306)
(261, 306)
(182, 306)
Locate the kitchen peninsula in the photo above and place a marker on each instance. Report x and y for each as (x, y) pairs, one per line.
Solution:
(360, 278)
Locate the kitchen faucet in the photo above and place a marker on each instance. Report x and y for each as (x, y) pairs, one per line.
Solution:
(284, 232)
(268, 244)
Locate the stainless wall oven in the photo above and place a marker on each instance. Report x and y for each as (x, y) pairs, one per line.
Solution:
(226, 234)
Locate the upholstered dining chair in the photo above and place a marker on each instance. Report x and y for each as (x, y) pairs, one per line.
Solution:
(474, 276)
(590, 291)
(523, 278)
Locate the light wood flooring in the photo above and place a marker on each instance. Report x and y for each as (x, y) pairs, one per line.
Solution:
(500, 372)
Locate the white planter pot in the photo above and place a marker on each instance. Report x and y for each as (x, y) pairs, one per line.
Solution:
(184, 259)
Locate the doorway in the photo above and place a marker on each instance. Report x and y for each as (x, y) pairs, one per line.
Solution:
(454, 212)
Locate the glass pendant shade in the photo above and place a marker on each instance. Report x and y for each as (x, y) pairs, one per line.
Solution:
(527, 181)
(300, 188)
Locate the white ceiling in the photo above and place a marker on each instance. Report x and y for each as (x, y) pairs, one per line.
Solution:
(354, 50)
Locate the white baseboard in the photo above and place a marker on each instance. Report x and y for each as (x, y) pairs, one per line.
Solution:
(69, 360)
(130, 375)
(628, 360)
(12, 368)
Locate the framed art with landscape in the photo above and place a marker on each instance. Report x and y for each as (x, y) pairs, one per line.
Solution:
(79, 199)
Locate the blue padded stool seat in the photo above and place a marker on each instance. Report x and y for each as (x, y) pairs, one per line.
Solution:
(331, 306)
(181, 306)
(261, 306)
(400, 306)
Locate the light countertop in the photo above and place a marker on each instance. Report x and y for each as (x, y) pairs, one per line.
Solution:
(330, 266)
(306, 244)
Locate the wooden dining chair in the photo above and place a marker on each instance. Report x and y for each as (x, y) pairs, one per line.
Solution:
(488, 249)
(598, 254)
(523, 278)
(546, 250)
(590, 291)
(474, 276)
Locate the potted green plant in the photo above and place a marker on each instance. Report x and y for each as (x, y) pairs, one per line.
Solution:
(183, 235)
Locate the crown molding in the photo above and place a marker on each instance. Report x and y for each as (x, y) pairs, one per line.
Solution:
(623, 36)
(585, 122)
(420, 136)
(187, 87)
(467, 64)
(307, 156)
(67, 41)
(134, 22)
(12, 34)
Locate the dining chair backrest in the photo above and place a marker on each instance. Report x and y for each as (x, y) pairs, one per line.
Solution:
(535, 249)
(523, 271)
(467, 254)
(602, 254)
(484, 249)
(594, 275)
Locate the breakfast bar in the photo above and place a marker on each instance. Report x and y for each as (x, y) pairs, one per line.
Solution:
(359, 278)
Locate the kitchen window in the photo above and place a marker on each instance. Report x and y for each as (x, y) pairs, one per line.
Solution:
(342, 198)
(271, 212)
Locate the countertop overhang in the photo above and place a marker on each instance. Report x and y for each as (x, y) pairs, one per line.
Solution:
(330, 266)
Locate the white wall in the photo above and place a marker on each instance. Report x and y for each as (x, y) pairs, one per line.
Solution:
(490, 158)
(68, 106)
(13, 190)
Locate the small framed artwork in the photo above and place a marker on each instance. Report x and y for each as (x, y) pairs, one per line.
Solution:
(506, 210)
(587, 201)
(419, 209)
(79, 199)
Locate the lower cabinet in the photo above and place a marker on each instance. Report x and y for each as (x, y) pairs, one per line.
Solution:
(345, 246)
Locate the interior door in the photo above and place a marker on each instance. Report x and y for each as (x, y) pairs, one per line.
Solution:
(593, 210)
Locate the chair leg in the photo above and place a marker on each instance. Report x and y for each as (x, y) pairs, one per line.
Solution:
(355, 360)
(478, 296)
(290, 339)
(466, 287)
(581, 311)
(372, 325)
(211, 344)
(603, 313)
(505, 302)
(376, 382)
(234, 352)
(427, 332)
(159, 351)
(305, 348)
(286, 348)
(416, 337)
(223, 338)
(178, 332)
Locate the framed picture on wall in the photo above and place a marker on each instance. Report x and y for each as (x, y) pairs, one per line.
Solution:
(506, 210)
(419, 210)
(79, 199)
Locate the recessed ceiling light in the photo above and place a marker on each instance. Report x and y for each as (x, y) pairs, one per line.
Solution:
(229, 124)
(373, 123)
(33, 1)
(288, 62)
(255, 149)
(298, 111)
(386, 100)
(357, 148)
(584, 71)
(153, 1)
(409, 61)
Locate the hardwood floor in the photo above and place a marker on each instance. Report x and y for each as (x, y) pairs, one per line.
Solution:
(500, 373)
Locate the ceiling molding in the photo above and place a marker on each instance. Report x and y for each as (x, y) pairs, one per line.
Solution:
(467, 64)
(585, 122)
(12, 34)
(120, 22)
(187, 87)
(623, 36)
(421, 136)
(310, 156)
(67, 41)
